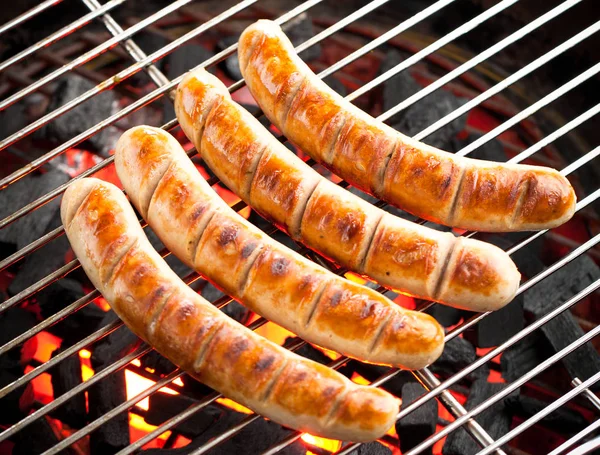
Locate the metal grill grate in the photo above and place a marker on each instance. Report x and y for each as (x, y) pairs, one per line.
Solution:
(436, 389)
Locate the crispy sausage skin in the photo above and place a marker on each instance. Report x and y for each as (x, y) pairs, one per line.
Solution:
(272, 280)
(430, 183)
(158, 307)
(396, 253)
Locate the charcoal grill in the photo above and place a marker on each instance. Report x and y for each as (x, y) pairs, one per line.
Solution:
(19, 88)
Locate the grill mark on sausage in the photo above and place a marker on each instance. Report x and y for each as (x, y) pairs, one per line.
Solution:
(319, 181)
(158, 312)
(339, 400)
(457, 195)
(519, 205)
(209, 114)
(275, 378)
(315, 303)
(379, 187)
(144, 210)
(454, 248)
(72, 213)
(363, 259)
(260, 247)
(379, 335)
(284, 117)
(254, 172)
(295, 231)
(111, 268)
(203, 351)
(196, 240)
(328, 156)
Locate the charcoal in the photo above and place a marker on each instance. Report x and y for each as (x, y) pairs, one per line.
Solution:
(490, 151)
(445, 315)
(80, 118)
(499, 326)
(309, 351)
(300, 30)
(234, 310)
(149, 42)
(337, 85)
(31, 227)
(163, 406)
(419, 424)
(66, 376)
(175, 264)
(388, 208)
(102, 397)
(373, 372)
(458, 354)
(158, 363)
(231, 64)
(36, 437)
(400, 86)
(563, 420)
(181, 60)
(194, 388)
(564, 329)
(496, 420)
(523, 356)
(371, 448)
(114, 346)
(427, 111)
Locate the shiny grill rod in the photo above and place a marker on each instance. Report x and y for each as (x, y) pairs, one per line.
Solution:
(28, 14)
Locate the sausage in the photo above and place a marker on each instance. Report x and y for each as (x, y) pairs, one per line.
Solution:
(269, 278)
(159, 308)
(423, 262)
(425, 181)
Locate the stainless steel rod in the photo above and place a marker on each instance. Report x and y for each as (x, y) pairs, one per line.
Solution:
(592, 398)
(113, 413)
(541, 414)
(576, 438)
(60, 34)
(43, 6)
(518, 75)
(93, 53)
(141, 63)
(480, 58)
(38, 413)
(553, 96)
(129, 45)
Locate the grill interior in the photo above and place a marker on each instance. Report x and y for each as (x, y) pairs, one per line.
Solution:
(508, 80)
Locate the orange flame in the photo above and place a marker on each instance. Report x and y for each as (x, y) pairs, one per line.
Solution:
(330, 445)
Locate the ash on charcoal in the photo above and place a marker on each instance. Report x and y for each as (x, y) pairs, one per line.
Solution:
(82, 117)
(36, 437)
(300, 30)
(563, 420)
(563, 329)
(371, 448)
(459, 353)
(102, 397)
(31, 227)
(419, 424)
(496, 420)
(424, 113)
(181, 60)
(524, 356)
(163, 406)
(64, 377)
(114, 346)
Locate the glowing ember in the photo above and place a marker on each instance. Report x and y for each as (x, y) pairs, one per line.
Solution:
(233, 405)
(136, 384)
(328, 444)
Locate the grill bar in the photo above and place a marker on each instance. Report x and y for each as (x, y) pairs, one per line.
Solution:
(544, 412)
(43, 6)
(93, 53)
(129, 45)
(60, 34)
(576, 438)
(588, 394)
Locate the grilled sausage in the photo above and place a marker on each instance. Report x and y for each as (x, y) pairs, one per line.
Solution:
(420, 179)
(270, 279)
(396, 253)
(158, 307)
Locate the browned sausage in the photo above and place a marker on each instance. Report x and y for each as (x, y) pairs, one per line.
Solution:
(398, 254)
(158, 307)
(425, 181)
(272, 280)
